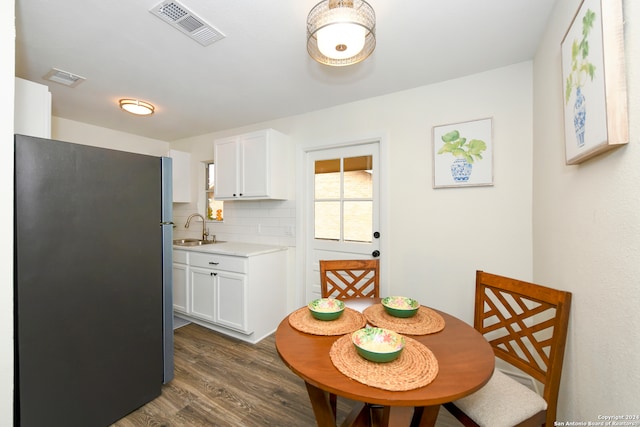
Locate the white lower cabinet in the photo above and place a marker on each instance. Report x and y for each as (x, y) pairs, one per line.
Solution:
(231, 298)
(180, 280)
(244, 297)
(219, 297)
(201, 293)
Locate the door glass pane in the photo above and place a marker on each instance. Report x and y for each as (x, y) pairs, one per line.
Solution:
(358, 221)
(358, 182)
(327, 179)
(327, 220)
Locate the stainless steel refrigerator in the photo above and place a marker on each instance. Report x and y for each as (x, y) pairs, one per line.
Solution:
(92, 268)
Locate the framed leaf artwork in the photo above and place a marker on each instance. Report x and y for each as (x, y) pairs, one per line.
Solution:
(594, 83)
(463, 154)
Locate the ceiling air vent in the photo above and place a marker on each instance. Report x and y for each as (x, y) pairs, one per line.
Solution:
(186, 21)
(63, 77)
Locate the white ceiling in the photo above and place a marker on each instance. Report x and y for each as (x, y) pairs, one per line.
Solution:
(261, 70)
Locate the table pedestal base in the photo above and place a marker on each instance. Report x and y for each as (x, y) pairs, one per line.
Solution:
(363, 415)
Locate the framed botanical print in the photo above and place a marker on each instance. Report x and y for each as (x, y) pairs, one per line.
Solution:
(594, 83)
(463, 154)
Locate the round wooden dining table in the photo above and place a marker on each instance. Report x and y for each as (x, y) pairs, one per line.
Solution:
(465, 363)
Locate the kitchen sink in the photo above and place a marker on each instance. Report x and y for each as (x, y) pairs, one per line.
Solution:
(193, 242)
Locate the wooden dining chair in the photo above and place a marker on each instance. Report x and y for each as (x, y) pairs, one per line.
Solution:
(342, 279)
(526, 324)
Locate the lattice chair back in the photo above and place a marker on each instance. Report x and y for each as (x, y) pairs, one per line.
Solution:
(526, 324)
(350, 278)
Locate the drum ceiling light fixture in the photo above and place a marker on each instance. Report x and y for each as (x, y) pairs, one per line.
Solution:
(341, 32)
(137, 107)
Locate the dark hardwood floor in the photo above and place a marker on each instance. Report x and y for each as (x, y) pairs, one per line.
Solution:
(221, 381)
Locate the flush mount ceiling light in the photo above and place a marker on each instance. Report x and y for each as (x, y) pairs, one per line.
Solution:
(137, 107)
(341, 32)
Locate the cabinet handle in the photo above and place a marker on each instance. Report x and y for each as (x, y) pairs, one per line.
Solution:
(213, 263)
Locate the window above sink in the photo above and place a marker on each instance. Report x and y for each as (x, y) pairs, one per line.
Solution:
(214, 207)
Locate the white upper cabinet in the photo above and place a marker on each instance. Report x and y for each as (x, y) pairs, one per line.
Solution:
(181, 176)
(253, 166)
(32, 109)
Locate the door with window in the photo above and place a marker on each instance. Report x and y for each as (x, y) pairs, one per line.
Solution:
(342, 207)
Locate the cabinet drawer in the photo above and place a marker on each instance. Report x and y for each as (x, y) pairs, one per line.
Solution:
(218, 262)
(180, 256)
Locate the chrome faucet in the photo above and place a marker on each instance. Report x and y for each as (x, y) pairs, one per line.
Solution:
(204, 225)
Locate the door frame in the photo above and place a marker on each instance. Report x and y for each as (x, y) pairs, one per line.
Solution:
(303, 203)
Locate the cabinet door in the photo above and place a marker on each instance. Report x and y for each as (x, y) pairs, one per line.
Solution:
(255, 165)
(181, 176)
(231, 307)
(32, 109)
(201, 293)
(226, 170)
(180, 279)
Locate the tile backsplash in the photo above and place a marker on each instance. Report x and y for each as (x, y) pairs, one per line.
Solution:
(261, 221)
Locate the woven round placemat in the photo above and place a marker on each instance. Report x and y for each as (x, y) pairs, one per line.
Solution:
(350, 321)
(425, 321)
(414, 368)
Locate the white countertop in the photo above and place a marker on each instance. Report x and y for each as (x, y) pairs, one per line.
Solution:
(233, 248)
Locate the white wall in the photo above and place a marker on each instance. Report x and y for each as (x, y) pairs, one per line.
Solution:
(586, 227)
(82, 133)
(7, 79)
(436, 239)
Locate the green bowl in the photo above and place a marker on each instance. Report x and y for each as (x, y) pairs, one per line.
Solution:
(377, 344)
(400, 306)
(326, 308)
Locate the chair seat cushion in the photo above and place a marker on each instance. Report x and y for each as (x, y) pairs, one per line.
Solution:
(502, 402)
